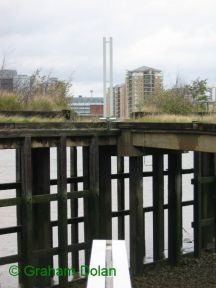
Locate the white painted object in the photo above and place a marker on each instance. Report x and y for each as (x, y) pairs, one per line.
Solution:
(100, 256)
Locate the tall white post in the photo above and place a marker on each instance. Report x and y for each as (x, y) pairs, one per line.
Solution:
(111, 78)
(104, 77)
(108, 103)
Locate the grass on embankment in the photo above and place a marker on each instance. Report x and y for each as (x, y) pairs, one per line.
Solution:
(165, 118)
(11, 101)
(36, 119)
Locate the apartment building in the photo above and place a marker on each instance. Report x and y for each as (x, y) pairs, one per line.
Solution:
(120, 101)
(140, 83)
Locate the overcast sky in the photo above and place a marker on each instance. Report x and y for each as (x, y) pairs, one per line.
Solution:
(64, 38)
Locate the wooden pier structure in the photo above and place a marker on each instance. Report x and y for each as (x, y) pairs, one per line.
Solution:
(100, 141)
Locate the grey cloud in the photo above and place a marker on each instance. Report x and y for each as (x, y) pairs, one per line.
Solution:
(66, 36)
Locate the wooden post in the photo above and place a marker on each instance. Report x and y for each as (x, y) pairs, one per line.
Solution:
(42, 233)
(87, 226)
(26, 206)
(74, 207)
(197, 204)
(94, 188)
(105, 206)
(121, 197)
(208, 191)
(137, 239)
(19, 210)
(62, 208)
(158, 210)
(174, 211)
(204, 205)
(214, 204)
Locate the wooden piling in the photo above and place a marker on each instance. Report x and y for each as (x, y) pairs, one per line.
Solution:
(137, 239)
(208, 207)
(74, 207)
(174, 208)
(197, 204)
(204, 205)
(26, 206)
(42, 236)
(214, 203)
(105, 204)
(62, 208)
(158, 210)
(94, 188)
(87, 227)
(19, 209)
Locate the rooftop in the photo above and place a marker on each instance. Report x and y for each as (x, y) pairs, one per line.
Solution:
(144, 69)
(7, 73)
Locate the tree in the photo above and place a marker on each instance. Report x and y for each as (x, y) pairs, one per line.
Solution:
(198, 90)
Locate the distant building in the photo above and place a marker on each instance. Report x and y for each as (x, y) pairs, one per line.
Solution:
(87, 105)
(109, 103)
(7, 79)
(211, 93)
(140, 83)
(96, 109)
(120, 101)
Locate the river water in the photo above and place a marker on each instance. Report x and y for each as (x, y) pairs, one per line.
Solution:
(8, 243)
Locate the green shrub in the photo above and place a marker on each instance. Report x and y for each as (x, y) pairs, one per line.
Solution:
(175, 103)
(12, 101)
(9, 101)
(169, 101)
